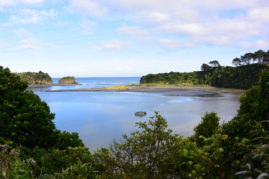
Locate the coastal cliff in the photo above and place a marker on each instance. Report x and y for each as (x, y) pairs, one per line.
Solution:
(33, 78)
(68, 80)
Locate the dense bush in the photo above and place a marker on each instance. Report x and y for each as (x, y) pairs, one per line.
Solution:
(33, 78)
(24, 118)
(242, 77)
(27, 122)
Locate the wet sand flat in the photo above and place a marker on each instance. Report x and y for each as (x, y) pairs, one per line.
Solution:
(165, 90)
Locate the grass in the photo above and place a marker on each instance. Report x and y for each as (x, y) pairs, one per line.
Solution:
(118, 88)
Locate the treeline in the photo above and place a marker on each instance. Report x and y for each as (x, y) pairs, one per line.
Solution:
(31, 146)
(213, 74)
(259, 56)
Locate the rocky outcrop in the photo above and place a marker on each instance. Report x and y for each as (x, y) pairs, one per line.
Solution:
(33, 78)
(140, 113)
(68, 80)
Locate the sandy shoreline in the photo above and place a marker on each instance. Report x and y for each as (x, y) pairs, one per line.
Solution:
(202, 91)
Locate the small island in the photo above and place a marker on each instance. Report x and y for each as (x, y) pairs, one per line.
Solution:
(68, 80)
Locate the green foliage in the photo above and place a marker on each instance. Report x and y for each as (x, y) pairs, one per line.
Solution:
(67, 80)
(66, 139)
(78, 171)
(259, 56)
(24, 118)
(11, 166)
(214, 63)
(27, 122)
(242, 77)
(208, 126)
(256, 162)
(33, 78)
(54, 161)
(236, 62)
(205, 67)
(254, 107)
(144, 154)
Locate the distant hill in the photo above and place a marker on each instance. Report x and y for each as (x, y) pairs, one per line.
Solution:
(34, 78)
(241, 77)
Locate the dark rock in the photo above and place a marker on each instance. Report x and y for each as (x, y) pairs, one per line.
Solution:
(140, 113)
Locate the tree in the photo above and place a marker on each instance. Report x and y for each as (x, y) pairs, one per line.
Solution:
(24, 118)
(205, 67)
(143, 154)
(208, 126)
(236, 62)
(260, 55)
(247, 58)
(214, 63)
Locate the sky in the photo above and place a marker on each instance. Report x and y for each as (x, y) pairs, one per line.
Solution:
(91, 38)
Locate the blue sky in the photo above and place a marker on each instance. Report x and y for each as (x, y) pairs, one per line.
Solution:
(128, 37)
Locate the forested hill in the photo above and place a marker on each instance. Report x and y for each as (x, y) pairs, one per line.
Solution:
(33, 78)
(242, 77)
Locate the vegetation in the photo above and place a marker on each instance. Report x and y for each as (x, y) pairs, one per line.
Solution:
(241, 77)
(33, 78)
(237, 149)
(259, 56)
(118, 88)
(68, 80)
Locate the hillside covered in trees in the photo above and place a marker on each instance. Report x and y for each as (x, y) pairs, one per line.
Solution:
(243, 76)
(32, 147)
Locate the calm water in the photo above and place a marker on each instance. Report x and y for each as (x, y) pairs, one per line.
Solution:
(100, 117)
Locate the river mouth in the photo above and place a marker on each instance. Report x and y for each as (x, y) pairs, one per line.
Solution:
(101, 115)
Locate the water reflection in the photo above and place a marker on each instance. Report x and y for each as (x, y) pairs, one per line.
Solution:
(100, 117)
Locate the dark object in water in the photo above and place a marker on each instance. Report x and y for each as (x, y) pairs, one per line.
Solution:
(140, 113)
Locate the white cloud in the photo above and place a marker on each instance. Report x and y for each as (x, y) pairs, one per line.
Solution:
(171, 44)
(259, 44)
(7, 2)
(188, 4)
(31, 1)
(202, 21)
(132, 30)
(259, 14)
(158, 17)
(34, 44)
(15, 2)
(21, 32)
(87, 26)
(87, 7)
(113, 45)
(49, 13)
(187, 28)
(30, 43)
(31, 16)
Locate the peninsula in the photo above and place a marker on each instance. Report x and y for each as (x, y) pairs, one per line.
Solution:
(33, 78)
